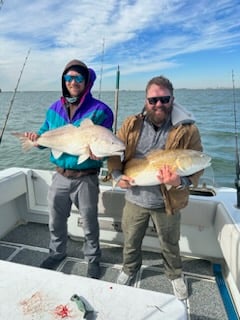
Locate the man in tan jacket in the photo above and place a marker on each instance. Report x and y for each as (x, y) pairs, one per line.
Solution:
(163, 124)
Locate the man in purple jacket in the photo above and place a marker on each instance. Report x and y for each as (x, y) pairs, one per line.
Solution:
(73, 182)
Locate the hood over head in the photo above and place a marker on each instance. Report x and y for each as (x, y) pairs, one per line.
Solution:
(180, 115)
(78, 66)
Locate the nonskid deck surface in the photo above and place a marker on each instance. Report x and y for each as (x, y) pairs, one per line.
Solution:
(28, 244)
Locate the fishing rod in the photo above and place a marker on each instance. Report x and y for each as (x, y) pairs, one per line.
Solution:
(13, 97)
(116, 99)
(237, 180)
(101, 71)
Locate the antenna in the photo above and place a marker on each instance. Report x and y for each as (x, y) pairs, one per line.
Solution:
(237, 180)
(101, 70)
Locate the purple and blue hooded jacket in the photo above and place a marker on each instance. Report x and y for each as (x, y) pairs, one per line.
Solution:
(89, 107)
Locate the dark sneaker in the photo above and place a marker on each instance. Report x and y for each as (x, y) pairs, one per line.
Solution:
(51, 263)
(94, 270)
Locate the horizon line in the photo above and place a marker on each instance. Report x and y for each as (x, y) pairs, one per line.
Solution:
(124, 90)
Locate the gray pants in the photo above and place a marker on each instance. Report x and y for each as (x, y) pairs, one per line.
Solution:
(134, 224)
(83, 192)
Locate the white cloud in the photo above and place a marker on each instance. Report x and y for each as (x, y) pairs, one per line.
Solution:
(141, 36)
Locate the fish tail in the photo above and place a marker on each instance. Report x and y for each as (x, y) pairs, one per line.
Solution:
(27, 144)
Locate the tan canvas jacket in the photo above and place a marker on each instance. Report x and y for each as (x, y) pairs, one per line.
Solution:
(183, 135)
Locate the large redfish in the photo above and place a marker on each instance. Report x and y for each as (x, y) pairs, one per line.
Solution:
(182, 161)
(78, 141)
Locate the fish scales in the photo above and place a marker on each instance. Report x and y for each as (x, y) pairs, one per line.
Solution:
(79, 141)
(182, 161)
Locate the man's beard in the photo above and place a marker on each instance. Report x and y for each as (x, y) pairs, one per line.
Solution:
(158, 119)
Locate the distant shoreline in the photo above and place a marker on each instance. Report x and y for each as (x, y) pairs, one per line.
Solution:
(120, 90)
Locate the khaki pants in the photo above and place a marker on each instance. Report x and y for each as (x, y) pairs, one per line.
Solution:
(134, 224)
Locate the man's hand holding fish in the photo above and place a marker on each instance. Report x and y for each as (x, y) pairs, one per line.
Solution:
(169, 177)
(33, 136)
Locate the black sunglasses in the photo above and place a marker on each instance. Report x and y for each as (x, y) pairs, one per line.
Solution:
(163, 99)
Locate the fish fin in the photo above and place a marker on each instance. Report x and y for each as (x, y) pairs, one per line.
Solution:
(168, 186)
(57, 154)
(83, 158)
(86, 123)
(84, 154)
(27, 144)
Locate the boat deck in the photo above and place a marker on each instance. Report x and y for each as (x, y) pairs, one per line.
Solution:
(28, 244)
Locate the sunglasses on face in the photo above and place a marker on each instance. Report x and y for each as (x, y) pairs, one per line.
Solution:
(69, 78)
(163, 99)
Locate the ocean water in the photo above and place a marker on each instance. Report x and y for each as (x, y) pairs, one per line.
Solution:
(213, 110)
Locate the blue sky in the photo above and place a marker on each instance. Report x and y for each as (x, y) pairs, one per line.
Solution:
(193, 43)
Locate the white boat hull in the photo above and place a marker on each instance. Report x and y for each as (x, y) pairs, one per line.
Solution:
(210, 226)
